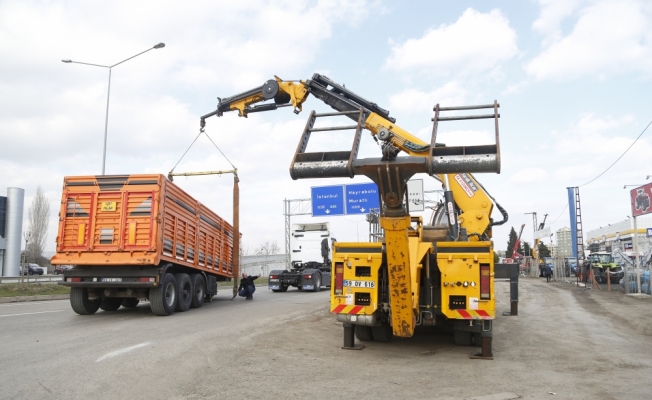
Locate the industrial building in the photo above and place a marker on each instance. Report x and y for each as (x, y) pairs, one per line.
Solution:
(620, 235)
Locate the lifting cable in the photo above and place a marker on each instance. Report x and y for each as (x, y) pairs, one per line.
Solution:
(201, 130)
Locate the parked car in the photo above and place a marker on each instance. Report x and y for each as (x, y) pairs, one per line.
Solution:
(60, 269)
(31, 269)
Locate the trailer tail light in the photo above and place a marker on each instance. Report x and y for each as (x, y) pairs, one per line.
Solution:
(307, 276)
(148, 280)
(339, 277)
(273, 277)
(74, 279)
(485, 282)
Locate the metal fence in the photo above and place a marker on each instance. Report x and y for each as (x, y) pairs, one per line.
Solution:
(629, 283)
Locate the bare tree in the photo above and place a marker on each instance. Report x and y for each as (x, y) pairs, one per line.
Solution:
(267, 248)
(39, 218)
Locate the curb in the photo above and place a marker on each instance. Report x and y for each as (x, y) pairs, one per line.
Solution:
(21, 299)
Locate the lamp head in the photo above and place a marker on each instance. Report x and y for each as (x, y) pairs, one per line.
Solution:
(159, 46)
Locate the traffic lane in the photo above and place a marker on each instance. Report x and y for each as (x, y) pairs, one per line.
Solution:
(114, 353)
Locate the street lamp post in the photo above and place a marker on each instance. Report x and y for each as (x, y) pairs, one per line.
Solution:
(108, 93)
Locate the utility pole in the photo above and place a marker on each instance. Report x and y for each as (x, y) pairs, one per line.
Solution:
(534, 244)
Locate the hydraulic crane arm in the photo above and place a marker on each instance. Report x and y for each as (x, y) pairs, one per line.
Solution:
(277, 93)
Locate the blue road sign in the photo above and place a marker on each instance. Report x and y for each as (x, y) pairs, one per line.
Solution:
(649, 232)
(361, 197)
(327, 200)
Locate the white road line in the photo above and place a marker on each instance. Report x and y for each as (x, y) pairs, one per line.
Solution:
(32, 303)
(30, 313)
(122, 351)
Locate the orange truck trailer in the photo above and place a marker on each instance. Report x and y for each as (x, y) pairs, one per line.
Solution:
(137, 237)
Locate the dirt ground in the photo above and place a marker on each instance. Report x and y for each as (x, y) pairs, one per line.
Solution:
(566, 343)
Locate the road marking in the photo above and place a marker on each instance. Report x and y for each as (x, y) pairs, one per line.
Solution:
(122, 351)
(32, 303)
(30, 313)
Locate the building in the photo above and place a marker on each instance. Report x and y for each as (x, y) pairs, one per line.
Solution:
(620, 235)
(564, 243)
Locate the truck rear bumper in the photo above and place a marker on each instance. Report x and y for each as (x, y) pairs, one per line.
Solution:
(366, 320)
(102, 285)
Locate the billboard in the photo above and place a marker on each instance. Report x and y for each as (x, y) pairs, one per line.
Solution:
(640, 200)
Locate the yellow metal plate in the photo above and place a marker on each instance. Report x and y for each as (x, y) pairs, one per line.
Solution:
(108, 206)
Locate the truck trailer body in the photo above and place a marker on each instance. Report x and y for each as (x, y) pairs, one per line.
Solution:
(134, 237)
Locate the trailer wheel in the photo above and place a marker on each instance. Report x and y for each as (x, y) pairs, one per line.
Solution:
(110, 303)
(198, 290)
(363, 333)
(382, 333)
(462, 338)
(80, 303)
(317, 282)
(163, 298)
(184, 290)
(130, 302)
(283, 288)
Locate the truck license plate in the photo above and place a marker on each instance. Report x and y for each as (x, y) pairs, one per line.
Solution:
(273, 287)
(309, 287)
(111, 279)
(360, 284)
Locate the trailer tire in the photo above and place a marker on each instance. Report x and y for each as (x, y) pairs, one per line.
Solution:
(110, 303)
(80, 303)
(198, 290)
(163, 298)
(462, 338)
(283, 288)
(317, 282)
(382, 333)
(130, 302)
(363, 333)
(184, 292)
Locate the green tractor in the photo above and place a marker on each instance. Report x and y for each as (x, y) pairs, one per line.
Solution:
(601, 262)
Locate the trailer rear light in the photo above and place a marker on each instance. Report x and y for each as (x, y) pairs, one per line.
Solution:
(148, 280)
(74, 279)
(339, 277)
(485, 282)
(273, 277)
(307, 276)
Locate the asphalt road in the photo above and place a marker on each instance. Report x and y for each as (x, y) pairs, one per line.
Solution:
(48, 351)
(566, 343)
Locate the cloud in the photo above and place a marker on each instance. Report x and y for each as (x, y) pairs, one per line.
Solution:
(608, 38)
(475, 42)
(414, 100)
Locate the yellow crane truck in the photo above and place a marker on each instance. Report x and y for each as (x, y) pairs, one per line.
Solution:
(437, 272)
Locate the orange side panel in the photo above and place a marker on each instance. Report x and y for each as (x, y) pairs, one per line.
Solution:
(139, 220)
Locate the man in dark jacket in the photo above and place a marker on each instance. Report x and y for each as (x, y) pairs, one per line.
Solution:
(548, 272)
(247, 287)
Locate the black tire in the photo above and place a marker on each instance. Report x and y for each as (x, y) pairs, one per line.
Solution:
(130, 302)
(198, 290)
(80, 303)
(363, 333)
(299, 287)
(284, 288)
(163, 298)
(462, 338)
(184, 292)
(110, 303)
(477, 339)
(382, 333)
(317, 281)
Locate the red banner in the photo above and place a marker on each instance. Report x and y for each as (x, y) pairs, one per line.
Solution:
(641, 199)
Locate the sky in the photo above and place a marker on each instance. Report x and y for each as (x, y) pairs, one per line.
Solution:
(570, 77)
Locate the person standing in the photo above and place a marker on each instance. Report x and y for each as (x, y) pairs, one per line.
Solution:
(247, 287)
(548, 270)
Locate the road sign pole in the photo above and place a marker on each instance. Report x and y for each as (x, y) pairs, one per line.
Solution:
(638, 270)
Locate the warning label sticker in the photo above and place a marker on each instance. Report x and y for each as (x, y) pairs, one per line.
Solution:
(467, 184)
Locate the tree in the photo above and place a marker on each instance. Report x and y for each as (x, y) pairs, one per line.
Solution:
(511, 242)
(527, 249)
(544, 251)
(267, 248)
(39, 219)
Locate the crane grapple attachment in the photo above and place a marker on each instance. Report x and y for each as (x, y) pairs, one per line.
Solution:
(329, 164)
(458, 159)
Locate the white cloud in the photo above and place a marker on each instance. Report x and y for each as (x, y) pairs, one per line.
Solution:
(475, 42)
(528, 176)
(414, 100)
(608, 38)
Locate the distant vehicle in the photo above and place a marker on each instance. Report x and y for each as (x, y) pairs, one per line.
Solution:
(601, 262)
(31, 269)
(570, 266)
(60, 269)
